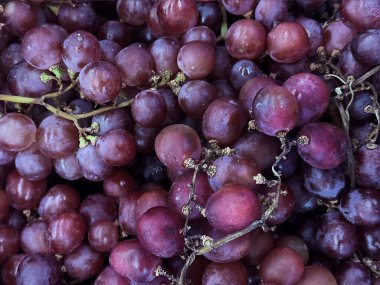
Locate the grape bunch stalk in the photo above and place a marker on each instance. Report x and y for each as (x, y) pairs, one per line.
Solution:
(190, 142)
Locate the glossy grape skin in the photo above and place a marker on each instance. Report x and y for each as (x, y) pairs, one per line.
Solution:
(9, 269)
(196, 59)
(262, 244)
(337, 35)
(68, 167)
(233, 273)
(288, 42)
(237, 202)
(32, 164)
(296, 243)
(103, 236)
(234, 169)
(66, 231)
(10, 56)
(283, 106)
(83, 263)
(119, 184)
(315, 275)
(361, 14)
(58, 199)
(370, 241)
(109, 277)
(39, 269)
(199, 33)
(113, 119)
(41, 47)
(34, 238)
(269, 12)
(100, 82)
(133, 13)
(79, 17)
(177, 17)
(149, 109)
(135, 64)
(79, 49)
(312, 94)
(97, 207)
(19, 17)
(164, 51)
(130, 259)
(24, 80)
(238, 39)
(282, 265)
(9, 242)
(367, 167)
(349, 65)
(109, 50)
(24, 194)
(363, 47)
(314, 32)
(179, 193)
(210, 15)
(223, 63)
(18, 132)
(304, 200)
(176, 143)
(361, 207)
(224, 121)
(351, 273)
(115, 31)
(57, 137)
(335, 237)
(327, 145)
(127, 213)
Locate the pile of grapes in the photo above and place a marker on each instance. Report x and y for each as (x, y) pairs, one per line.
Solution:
(231, 142)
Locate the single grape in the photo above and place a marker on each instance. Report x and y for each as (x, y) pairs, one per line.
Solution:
(109, 50)
(233, 273)
(350, 273)
(11, 56)
(164, 51)
(19, 17)
(199, 33)
(103, 236)
(362, 14)
(109, 277)
(210, 15)
(367, 167)
(315, 275)
(262, 244)
(9, 270)
(78, 17)
(68, 167)
(115, 31)
(269, 12)
(119, 184)
(242, 71)
(337, 35)
(34, 238)
(133, 12)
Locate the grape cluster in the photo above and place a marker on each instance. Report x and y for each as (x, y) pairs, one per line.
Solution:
(230, 142)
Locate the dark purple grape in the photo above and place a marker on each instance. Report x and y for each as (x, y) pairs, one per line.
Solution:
(115, 31)
(312, 94)
(314, 32)
(68, 167)
(32, 164)
(335, 237)
(370, 241)
(10, 56)
(269, 12)
(25, 80)
(149, 199)
(97, 207)
(242, 71)
(367, 167)
(210, 15)
(196, 59)
(239, 35)
(9, 242)
(119, 184)
(41, 47)
(239, 7)
(16, 219)
(10, 267)
(352, 273)
(357, 109)
(24, 194)
(176, 143)
(234, 169)
(149, 109)
(363, 47)
(130, 259)
(109, 277)
(93, 167)
(336, 36)
(79, 49)
(80, 16)
(195, 96)
(233, 273)
(349, 65)
(235, 201)
(325, 145)
(262, 244)
(224, 121)
(362, 14)
(173, 110)
(361, 207)
(223, 63)
(133, 12)
(58, 199)
(66, 231)
(159, 231)
(304, 200)
(57, 137)
(37, 269)
(18, 132)
(295, 243)
(164, 51)
(103, 236)
(83, 263)
(199, 33)
(58, 30)
(34, 238)
(109, 50)
(135, 64)
(153, 22)
(113, 119)
(100, 82)
(176, 17)
(288, 42)
(19, 17)
(127, 213)
(283, 106)
(6, 156)
(224, 88)
(180, 191)
(315, 275)
(283, 71)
